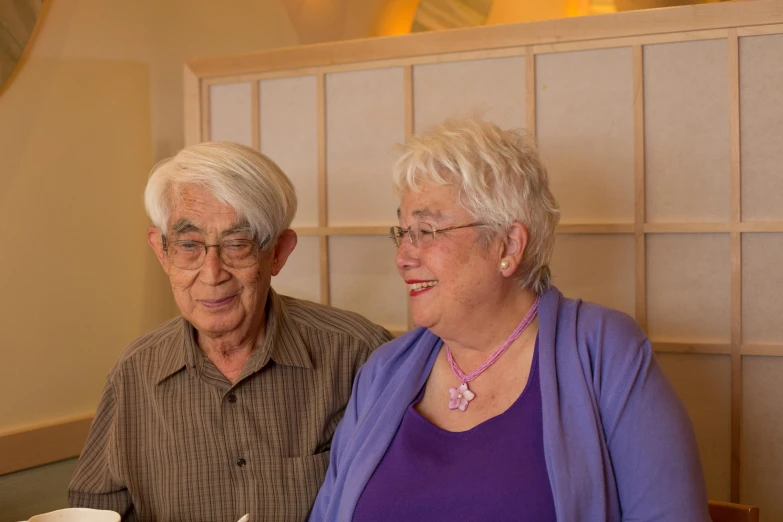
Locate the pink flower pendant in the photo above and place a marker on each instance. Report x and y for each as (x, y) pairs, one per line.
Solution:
(460, 397)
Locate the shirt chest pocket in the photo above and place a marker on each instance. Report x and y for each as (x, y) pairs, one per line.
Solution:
(300, 480)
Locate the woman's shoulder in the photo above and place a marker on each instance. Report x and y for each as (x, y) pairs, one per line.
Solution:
(593, 316)
(598, 326)
(395, 368)
(407, 347)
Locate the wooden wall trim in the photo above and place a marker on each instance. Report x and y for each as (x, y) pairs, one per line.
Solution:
(40, 445)
(530, 92)
(193, 107)
(576, 228)
(725, 22)
(323, 201)
(736, 263)
(693, 348)
(706, 228)
(205, 101)
(410, 124)
(635, 23)
(640, 240)
(762, 350)
(255, 115)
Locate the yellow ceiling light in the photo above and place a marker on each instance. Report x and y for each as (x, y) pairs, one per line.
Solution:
(395, 17)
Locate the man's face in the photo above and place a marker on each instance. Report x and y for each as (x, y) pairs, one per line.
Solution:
(220, 301)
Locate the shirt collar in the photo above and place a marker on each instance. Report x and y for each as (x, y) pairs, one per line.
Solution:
(173, 351)
(282, 343)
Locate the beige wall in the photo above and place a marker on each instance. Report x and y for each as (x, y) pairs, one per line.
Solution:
(99, 100)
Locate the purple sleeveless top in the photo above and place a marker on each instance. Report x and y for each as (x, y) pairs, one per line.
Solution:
(495, 471)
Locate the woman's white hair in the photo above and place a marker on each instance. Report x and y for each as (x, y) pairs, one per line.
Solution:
(500, 177)
(236, 175)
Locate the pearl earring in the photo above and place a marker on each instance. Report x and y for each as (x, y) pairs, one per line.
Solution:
(504, 264)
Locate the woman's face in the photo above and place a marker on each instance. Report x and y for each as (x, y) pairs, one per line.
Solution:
(452, 277)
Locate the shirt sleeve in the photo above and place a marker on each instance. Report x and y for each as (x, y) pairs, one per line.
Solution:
(93, 484)
(382, 336)
(377, 338)
(650, 437)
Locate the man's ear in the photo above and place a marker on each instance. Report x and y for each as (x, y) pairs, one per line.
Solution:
(155, 241)
(515, 243)
(285, 245)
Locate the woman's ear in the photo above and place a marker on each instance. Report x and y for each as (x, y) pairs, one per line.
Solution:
(515, 244)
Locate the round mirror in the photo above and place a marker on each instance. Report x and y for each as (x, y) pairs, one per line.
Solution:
(19, 22)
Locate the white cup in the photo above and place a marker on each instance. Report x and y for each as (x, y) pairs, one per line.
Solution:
(77, 515)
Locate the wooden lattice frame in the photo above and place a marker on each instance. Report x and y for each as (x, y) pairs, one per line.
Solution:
(728, 22)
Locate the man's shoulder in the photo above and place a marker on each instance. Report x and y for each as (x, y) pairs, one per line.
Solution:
(324, 318)
(153, 346)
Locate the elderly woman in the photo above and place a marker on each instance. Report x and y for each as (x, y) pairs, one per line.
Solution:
(509, 401)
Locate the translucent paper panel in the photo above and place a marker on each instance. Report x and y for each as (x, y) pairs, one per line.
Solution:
(230, 117)
(365, 119)
(584, 112)
(494, 87)
(686, 120)
(364, 279)
(762, 431)
(300, 276)
(761, 123)
(289, 135)
(762, 288)
(688, 287)
(597, 268)
(703, 382)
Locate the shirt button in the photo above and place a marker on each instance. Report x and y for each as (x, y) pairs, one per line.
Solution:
(232, 398)
(241, 463)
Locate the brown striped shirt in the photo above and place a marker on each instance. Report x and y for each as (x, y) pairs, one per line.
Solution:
(174, 440)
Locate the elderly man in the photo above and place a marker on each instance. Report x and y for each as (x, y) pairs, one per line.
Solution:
(230, 408)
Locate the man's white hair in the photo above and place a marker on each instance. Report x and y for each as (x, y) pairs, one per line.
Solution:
(236, 175)
(500, 178)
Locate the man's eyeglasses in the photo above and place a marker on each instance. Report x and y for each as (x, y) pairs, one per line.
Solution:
(422, 233)
(188, 254)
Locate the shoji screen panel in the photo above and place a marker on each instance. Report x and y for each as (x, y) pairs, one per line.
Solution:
(761, 66)
(365, 279)
(762, 279)
(596, 267)
(301, 275)
(762, 374)
(230, 113)
(584, 118)
(687, 131)
(762, 433)
(584, 123)
(492, 87)
(288, 117)
(689, 272)
(661, 133)
(364, 119)
(761, 268)
(701, 380)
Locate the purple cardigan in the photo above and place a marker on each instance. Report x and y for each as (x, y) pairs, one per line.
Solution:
(618, 443)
